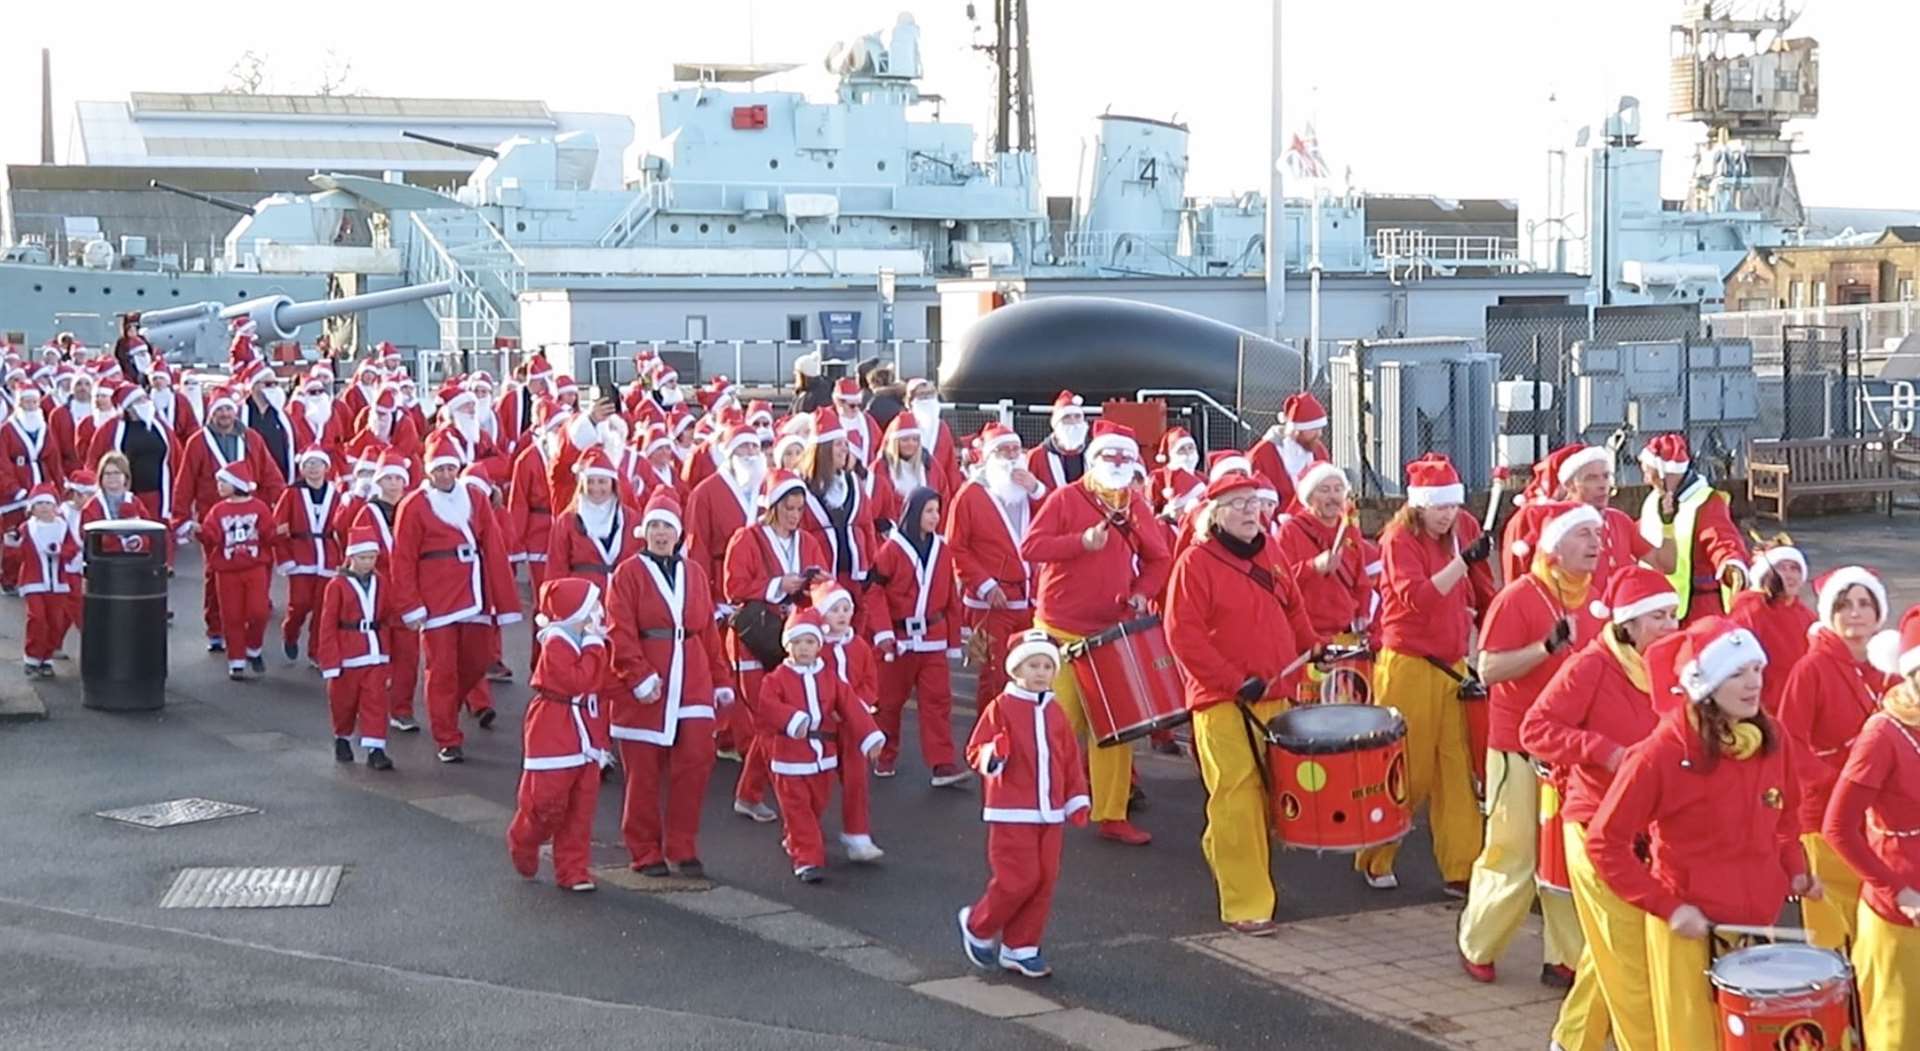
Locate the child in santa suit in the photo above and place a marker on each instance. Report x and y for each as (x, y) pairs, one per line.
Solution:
(801, 708)
(49, 578)
(565, 737)
(233, 533)
(853, 662)
(1023, 741)
(353, 645)
(305, 550)
(914, 571)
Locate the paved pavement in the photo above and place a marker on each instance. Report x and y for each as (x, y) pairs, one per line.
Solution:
(435, 942)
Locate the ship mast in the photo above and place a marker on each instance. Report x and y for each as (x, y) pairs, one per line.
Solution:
(1013, 126)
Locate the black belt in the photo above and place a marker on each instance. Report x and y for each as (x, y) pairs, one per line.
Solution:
(557, 698)
(303, 536)
(465, 553)
(676, 634)
(531, 509)
(823, 735)
(359, 625)
(590, 567)
(918, 625)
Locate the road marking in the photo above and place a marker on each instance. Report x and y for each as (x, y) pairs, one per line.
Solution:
(877, 961)
(464, 809)
(993, 999)
(1102, 1032)
(797, 930)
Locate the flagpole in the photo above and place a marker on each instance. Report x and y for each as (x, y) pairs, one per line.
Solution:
(1313, 257)
(1276, 195)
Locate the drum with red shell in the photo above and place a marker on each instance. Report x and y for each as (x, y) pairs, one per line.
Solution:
(1784, 997)
(1129, 686)
(1338, 775)
(1550, 857)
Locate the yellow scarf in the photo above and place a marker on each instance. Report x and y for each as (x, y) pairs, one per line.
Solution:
(1742, 740)
(1630, 660)
(1114, 498)
(1903, 703)
(1570, 588)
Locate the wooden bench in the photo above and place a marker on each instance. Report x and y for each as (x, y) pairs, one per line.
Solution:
(1778, 471)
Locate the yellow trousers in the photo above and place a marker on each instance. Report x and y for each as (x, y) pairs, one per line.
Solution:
(1439, 772)
(1502, 889)
(1109, 770)
(1237, 837)
(1886, 967)
(1830, 919)
(1610, 990)
(1684, 1014)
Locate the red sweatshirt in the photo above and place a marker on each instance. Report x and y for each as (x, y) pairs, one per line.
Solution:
(1223, 625)
(1334, 601)
(235, 534)
(1523, 613)
(1588, 712)
(1873, 821)
(1828, 697)
(1782, 629)
(1415, 618)
(1080, 591)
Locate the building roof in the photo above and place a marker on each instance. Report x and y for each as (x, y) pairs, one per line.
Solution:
(333, 107)
(1905, 235)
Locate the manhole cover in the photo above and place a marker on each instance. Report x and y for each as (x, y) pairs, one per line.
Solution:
(253, 888)
(175, 812)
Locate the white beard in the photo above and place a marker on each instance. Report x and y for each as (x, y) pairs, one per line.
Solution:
(455, 508)
(1295, 458)
(145, 411)
(1070, 437)
(1110, 476)
(908, 475)
(164, 405)
(276, 398)
(671, 397)
(1185, 461)
(747, 475)
(926, 413)
(319, 410)
(613, 440)
(468, 426)
(682, 453)
(597, 518)
(31, 422)
(998, 474)
(382, 424)
(489, 422)
(101, 416)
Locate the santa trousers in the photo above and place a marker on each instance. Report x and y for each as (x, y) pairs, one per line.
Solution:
(856, 793)
(457, 658)
(303, 609)
(403, 672)
(670, 778)
(12, 553)
(242, 600)
(1438, 768)
(1109, 770)
(536, 576)
(1236, 841)
(1829, 920)
(480, 698)
(1886, 961)
(358, 697)
(48, 618)
(1023, 864)
(1000, 626)
(1610, 990)
(803, 802)
(554, 805)
(927, 675)
(755, 749)
(1502, 889)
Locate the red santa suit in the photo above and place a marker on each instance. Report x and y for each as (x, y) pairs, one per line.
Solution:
(400, 433)
(1278, 457)
(717, 509)
(403, 669)
(530, 512)
(589, 540)
(305, 551)
(563, 739)
(985, 532)
(65, 422)
(451, 576)
(672, 673)
(1706, 540)
(862, 431)
(896, 479)
(923, 614)
(358, 619)
(800, 711)
(852, 660)
(49, 571)
(28, 459)
(194, 490)
(842, 519)
(1033, 782)
(101, 507)
(923, 410)
(236, 539)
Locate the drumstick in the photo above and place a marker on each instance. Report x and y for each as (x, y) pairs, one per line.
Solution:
(1493, 499)
(1774, 934)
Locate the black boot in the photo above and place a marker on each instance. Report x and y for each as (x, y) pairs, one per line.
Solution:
(377, 759)
(342, 750)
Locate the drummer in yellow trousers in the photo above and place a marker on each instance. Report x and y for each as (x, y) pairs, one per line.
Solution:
(1102, 559)
(1235, 621)
(1435, 577)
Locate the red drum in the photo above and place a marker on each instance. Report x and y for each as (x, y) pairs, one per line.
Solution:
(1784, 998)
(1550, 856)
(1473, 702)
(1128, 684)
(1338, 776)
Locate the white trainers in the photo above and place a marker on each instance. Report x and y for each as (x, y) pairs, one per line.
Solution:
(862, 848)
(1386, 882)
(759, 812)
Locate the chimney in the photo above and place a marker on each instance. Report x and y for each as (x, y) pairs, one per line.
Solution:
(46, 106)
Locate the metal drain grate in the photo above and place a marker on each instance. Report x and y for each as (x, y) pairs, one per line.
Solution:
(261, 888)
(175, 812)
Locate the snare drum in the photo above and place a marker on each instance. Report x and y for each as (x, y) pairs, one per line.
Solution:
(1338, 776)
(1784, 997)
(1128, 685)
(1550, 855)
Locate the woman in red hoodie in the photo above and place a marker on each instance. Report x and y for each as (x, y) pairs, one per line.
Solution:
(1772, 610)
(1873, 821)
(1829, 695)
(1713, 787)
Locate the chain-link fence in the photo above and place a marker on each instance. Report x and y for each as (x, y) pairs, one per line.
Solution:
(767, 363)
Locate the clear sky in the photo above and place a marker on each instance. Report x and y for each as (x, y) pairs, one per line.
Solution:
(1416, 96)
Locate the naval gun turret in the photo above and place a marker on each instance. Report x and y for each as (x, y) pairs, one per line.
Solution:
(201, 329)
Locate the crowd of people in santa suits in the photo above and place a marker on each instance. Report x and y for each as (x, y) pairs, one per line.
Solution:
(712, 579)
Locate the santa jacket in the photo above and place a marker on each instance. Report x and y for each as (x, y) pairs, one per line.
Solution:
(358, 617)
(801, 710)
(1415, 618)
(985, 540)
(665, 644)
(237, 535)
(1270, 457)
(1042, 780)
(1589, 712)
(921, 600)
(571, 552)
(715, 512)
(357, 512)
(304, 543)
(852, 659)
(28, 460)
(860, 532)
(1229, 618)
(96, 510)
(565, 727)
(402, 437)
(448, 572)
(1782, 628)
(529, 506)
(1173, 490)
(49, 558)
(64, 421)
(1522, 614)
(1873, 822)
(194, 486)
(1081, 591)
(1334, 600)
(863, 436)
(1046, 463)
(1725, 834)
(112, 437)
(1828, 697)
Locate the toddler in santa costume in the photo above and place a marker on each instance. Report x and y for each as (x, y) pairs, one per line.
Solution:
(565, 737)
(1026, 750)
(852, 660)
(49, 577)
(233, 533)
(356, 623)
(801, 708)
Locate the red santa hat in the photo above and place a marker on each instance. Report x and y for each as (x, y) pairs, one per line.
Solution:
(365, 374)
(392, 463)
(662, 506)
(1767, 556)
(596, 464)
(736, 437)
(994, 435)
(1897, 652)
(652, 438)
(1311, 478)
(363, 540)
(21, 388)
(1432, 482)
(221, 397)
(1829, 586)
(238, 474)
(1557, 522)
(1225, 462)
(778, 485)
(1170, 438)
(480, 378)
(564, 385)
(1067, 401)
(826, 592)
(760, 412)
(1633, 591)
(1303, 412)
(441, 452)
(82, 481)
(539, 368)
(387, 401)
(918, 386)
(1711, 651)
(806, 621)
(1569, 460)
(826, 427)
(665, 375)
(454, 395)
(677, 423)
(846, 391)
(43, 493)
(320, 371)
(1109, 436)
(314, 452)
(901, 426)
(123, 394)
(1032, 643)
(1231, 482)
(1666, 454)
(480, 476)
(568, 600)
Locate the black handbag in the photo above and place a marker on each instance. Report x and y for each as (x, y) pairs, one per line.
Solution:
(758, 624)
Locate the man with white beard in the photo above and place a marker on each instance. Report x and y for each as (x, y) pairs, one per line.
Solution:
(1061, 459)
(315, 413)
(172, 408)
(720, 506)
(266, 416)
(985, 527)
(923, 402)
(29, 456)
(1291, 445)
(460, 423)
(666, 391)
(65, 418)
(481, 384)
(657, 466)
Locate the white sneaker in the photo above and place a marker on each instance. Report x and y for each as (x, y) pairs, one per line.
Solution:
(1386, 882)
(862, 848)
(759, 812)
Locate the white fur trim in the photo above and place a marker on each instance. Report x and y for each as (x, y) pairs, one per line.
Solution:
(1112, 441)
(1843, 578)
(1763, 562)
(1650, 604)
(1319, 423)
(1723, 657)
(1029, 647)
(1560, 526)
(1587, 457)
(227, 476)
(1436, 495)
(658, 514)
(792, 485)
(790, 634)
(1311, 478)
(1229, 465)
(1883, 650)
(365, 547)
(999, 440)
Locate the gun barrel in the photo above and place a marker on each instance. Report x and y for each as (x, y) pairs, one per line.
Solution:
(192, 311)
(290, 316)
(477, 151)
(198, 196)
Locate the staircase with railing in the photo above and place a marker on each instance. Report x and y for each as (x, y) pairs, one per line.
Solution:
(461, 246)
(638, 213)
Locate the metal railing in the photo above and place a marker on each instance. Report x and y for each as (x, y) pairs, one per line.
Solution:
(638, 212)
(764, 363)
(1874, 326)
(1413, 254)
(487, 274)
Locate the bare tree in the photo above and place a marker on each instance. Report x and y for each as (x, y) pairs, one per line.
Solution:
(336, 73)
(247, 75)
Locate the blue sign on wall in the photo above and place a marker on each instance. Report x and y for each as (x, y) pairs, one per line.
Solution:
(841, 330)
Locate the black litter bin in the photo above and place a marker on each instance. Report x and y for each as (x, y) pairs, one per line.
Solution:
(123, 646)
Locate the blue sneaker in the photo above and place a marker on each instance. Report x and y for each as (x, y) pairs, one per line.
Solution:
(979, 953)
(1034, 966)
